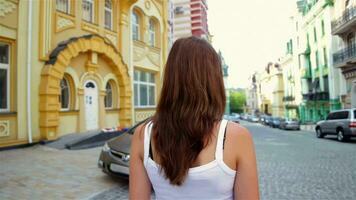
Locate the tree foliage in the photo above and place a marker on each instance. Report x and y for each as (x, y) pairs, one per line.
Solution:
(237, 101)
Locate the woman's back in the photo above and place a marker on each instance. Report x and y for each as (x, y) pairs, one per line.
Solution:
(213, 180)
(187, 148)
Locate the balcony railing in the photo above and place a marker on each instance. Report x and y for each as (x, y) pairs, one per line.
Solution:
(316, 96)
(288, 98)
(345, 54)
(348, 15)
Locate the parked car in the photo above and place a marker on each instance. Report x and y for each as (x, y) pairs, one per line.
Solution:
(255, 119)
(276, 121)
(268, 121)
(290, 124)
(115, 155)
(234, 118)
(341, 123)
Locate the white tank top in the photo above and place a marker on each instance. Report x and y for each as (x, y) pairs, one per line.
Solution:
(214, 180)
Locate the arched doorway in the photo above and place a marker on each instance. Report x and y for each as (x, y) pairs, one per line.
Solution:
(53, 73)
(91, 105)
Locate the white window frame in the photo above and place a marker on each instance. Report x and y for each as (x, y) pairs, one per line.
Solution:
(152, 33)
(148, 84)
(112, 96)
(92, 10)
(136, 25)
(68, 7)
(7, 68)
(69, 97)
(111, 15)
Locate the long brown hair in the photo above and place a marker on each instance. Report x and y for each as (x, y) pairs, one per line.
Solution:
(192, 100)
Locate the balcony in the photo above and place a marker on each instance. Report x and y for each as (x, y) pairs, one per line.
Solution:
(345, 22)
(288, 98)
(316, 96)
(345, 57)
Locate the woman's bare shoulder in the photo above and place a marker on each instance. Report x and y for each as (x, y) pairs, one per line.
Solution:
(237, 132)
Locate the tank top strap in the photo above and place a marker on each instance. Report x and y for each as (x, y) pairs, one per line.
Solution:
(220, 141)
(147, 141)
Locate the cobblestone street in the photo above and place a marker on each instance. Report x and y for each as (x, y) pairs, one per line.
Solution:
(292, 165)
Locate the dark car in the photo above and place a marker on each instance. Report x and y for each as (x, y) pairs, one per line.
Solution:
(290, 124)
(341, 123)
(276, 121)
(115, 156)
(268, 120)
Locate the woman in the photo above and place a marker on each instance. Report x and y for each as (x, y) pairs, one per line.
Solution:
(186, 151)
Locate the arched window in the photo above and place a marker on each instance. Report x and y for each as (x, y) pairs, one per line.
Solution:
(108, 96)
(108, 14)
(152, 33)
(135, 26)
(64, 98)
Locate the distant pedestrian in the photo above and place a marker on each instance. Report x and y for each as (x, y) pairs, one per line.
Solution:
(186, 151)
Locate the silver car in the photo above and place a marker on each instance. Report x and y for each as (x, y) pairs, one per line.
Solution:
(341, 123)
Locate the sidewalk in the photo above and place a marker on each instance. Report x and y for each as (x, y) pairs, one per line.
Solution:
(40, 172)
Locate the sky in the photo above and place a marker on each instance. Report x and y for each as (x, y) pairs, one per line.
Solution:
(249, 34)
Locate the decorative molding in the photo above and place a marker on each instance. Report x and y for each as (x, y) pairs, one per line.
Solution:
(90, 27)
(63, 23)
(112, 38)
(147, 4)
(4, 128)
(6, 7)
(142, 115)
(141, 51)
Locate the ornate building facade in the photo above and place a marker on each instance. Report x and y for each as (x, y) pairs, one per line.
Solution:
(71, 66)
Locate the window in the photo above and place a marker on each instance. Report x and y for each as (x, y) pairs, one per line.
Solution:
(64, 97)
(322, 28)
(315, 39)
(135, 26)
(63, 6)
(88, 10)
(108, 96)
(152, 32)
(325, 57)
(144, 89)
(4, 77)
(341, 115)
(108, 14)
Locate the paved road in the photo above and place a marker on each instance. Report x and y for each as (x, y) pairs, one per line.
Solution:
(294, 165)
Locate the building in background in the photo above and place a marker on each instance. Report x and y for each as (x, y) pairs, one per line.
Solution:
(270, 90)
(225, 70)
(344, 55)
(71, 66)
(190, 19)
(320, 80)
(252, 103)
(290, 64)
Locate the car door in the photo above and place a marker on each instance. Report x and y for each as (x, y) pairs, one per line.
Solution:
(325, 127)
(335, 122)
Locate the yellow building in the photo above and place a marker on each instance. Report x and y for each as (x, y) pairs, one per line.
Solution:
(68, 66)
(270, 90)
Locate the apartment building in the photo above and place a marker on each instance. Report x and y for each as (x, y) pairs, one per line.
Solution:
(72, 66)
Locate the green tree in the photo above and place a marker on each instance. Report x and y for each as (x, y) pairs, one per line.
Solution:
(237, 101)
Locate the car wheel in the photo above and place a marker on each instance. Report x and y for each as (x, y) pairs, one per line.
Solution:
(319, 133)
(340, 136)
